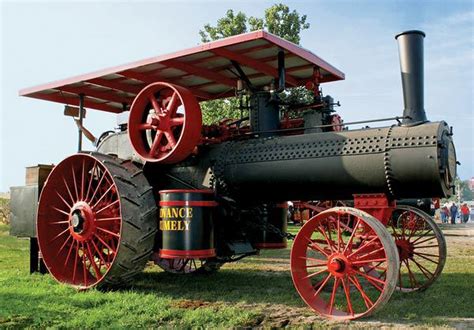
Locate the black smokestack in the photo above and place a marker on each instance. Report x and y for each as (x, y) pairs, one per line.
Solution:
(410, 47)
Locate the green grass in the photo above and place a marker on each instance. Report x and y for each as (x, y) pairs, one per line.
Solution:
(242, 294)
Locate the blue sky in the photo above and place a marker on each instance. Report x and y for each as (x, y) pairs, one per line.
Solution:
(44, 41)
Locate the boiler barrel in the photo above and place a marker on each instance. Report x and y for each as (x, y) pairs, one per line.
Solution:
(403, 162)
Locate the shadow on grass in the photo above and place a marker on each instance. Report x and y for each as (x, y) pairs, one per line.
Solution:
(449, 297)
(228, 285)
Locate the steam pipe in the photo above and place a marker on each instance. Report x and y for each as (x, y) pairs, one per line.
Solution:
(410, 46)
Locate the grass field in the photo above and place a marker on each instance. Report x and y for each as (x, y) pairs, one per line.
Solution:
(256, 291)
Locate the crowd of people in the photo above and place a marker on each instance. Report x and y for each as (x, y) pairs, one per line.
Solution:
(449, 213)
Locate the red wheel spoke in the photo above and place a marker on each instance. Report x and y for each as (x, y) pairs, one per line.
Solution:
(425, 240)
(63, 200)
(59, 235)
(339, 235)
(94, 265)
(427, 254)
(411, 276)
(68, 190)
(101, 197)
(322, 285)
(146, 126)
(173, 104)
(426, 246)
(108, 219)
(351, 238)
(61, 211)
(63, 246)
(71, 248)
(362, 262)
(422, 267)
(156, 106)
(423, 235)
(156, 143)
(369, 277)
(171, 140)
(315, 273)
(84, 269)
(348, 295)
(314, 259)
(98, 185)
(99, 253)
(178, 121)
(83, 178)
(59, 222)
(364, 247)
(323, 232)
(108, 232)
(317, 265)
(333, 294)
(76, 252)
(426, 258)
(106, 245)
(108, 205)
(377, 266)
(368, 302)
(91, 178)
(75, 183)
(316, 247)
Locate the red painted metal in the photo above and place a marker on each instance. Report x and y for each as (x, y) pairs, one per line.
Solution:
(189, 203)
(70, 99)
(158, 131)
(172, 254)
(254, 64)
(270, 246)
(204, 68)
(201, 72)
(342, 270)
(79, 221)
(185, 191)
(377, 205)
(150, 80)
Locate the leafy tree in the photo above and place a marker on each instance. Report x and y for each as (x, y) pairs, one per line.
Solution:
(279, 20)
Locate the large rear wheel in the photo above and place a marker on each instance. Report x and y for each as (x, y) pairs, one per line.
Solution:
(96, 221)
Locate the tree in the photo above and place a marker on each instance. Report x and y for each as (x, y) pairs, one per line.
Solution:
(279, 20)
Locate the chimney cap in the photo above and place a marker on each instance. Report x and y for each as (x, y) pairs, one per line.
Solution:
(411, 32)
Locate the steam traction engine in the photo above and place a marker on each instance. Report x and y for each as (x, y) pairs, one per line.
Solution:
(193, 197)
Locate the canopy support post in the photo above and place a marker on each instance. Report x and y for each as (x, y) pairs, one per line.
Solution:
(81, 116)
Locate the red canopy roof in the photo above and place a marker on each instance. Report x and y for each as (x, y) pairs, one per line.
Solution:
(205, 69)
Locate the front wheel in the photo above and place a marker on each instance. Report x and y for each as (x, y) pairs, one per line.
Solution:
(344, 263)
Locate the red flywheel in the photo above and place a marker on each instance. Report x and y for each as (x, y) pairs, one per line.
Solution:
(165, 123)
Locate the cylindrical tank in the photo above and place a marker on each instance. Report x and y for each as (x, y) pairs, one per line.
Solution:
(401, 161)
(187, 223)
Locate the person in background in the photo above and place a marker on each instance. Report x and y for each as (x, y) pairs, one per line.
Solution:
(453, 210)
(87, 133)
(444, 212)
(465, 211)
